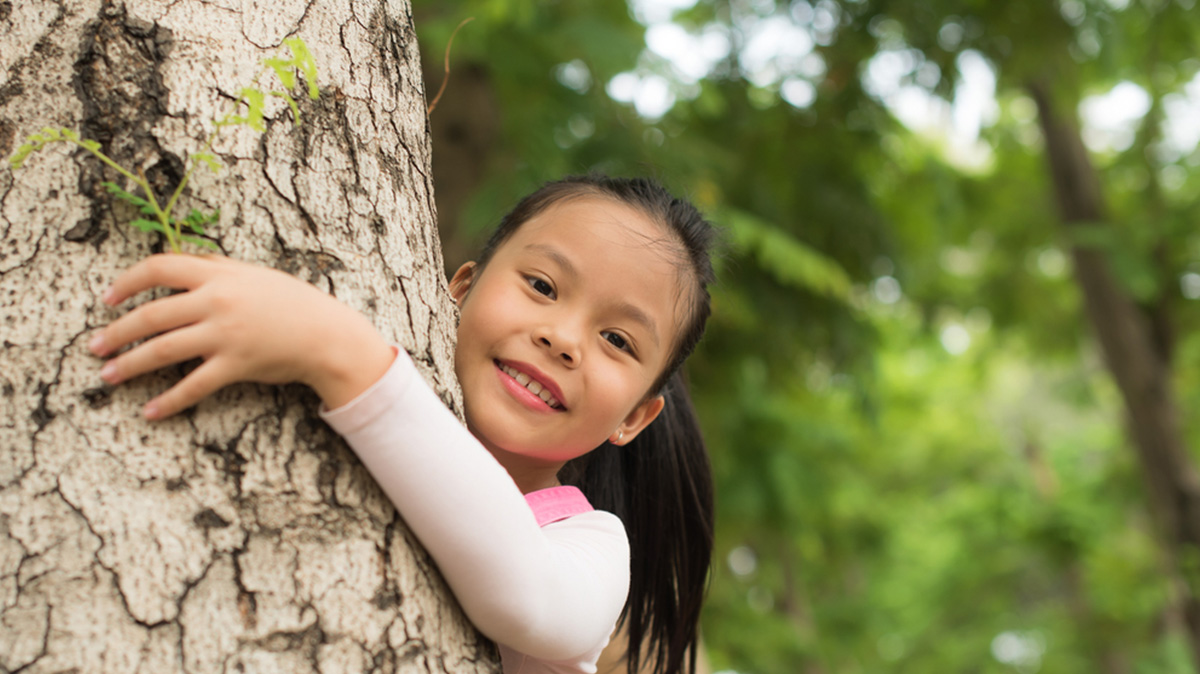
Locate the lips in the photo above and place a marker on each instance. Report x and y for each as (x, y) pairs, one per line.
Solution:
(529, 380)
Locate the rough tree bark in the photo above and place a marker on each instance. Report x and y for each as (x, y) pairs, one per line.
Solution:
(1138, 360)
(242, 535)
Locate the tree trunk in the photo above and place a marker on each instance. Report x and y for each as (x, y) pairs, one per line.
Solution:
(1135, 356)
(242, 535)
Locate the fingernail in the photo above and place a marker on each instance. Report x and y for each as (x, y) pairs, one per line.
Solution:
(96, 344)
(109, 372)
(108, 296)
(150, 410)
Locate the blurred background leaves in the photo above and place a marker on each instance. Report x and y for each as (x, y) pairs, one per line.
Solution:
(924, 460)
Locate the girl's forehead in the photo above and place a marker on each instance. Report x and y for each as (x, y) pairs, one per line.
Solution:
(604, 229)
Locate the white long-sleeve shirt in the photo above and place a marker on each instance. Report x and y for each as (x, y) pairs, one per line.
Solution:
(549, 595)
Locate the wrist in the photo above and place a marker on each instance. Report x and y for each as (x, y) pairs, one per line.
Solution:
(352, 358)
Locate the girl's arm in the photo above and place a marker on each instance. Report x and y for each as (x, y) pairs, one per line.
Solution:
(551, 593)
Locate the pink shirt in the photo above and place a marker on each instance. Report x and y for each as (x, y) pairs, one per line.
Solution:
(543, 575)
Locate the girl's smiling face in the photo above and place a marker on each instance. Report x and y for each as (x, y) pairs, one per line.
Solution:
(563, 333)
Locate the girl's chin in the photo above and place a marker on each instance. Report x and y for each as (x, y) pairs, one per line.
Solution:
(504, 444)
(509, 432)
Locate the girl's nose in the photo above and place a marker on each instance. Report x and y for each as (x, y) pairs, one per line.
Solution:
(560, 344)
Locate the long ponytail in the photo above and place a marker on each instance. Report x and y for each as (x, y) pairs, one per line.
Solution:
(660, 485)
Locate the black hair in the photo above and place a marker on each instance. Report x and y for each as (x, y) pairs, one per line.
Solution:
(660, 483)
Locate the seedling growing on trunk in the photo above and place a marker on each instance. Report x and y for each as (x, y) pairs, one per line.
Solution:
(248, 111)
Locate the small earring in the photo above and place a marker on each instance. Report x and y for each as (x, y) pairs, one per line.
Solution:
(620, 436)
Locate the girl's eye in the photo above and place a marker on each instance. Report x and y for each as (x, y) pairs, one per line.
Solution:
(617, 341)
(541, 286)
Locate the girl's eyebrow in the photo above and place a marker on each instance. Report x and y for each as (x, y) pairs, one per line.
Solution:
(638, 316)
(626, 309)
(558, 258)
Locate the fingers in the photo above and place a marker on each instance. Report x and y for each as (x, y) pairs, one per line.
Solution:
(173, 347)
(172, 270)
(182, 322)
(197, 385)
(161, 315)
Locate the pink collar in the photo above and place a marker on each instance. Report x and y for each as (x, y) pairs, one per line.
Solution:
(557, 503)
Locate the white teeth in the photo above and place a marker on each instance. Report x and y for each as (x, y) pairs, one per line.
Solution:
(534, 387)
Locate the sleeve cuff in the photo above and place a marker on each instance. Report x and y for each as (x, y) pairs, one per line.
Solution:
(371, 403)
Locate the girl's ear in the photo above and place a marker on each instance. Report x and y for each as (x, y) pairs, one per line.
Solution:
(460, 283)
(638, 419)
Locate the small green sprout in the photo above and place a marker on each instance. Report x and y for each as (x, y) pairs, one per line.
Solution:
(191, 229)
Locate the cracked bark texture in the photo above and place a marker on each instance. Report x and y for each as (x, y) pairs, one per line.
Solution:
(242, 536)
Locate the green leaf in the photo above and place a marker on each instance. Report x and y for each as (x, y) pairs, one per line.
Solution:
(149, 225)
(253, 98)
(207, 243)
(254, 102)
(304, 61)
(142, 205)
(284, 70)
(208, 160)
(291, 104)
(37, 141)
(196, 220)
(21, 154)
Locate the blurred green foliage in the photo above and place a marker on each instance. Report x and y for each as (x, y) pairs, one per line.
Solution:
(921, 458)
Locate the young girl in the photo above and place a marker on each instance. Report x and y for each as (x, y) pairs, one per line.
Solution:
(574, 322)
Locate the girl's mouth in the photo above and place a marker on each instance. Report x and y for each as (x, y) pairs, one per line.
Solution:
(532, 386)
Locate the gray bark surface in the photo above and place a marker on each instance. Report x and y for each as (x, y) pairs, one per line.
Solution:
(242, 535)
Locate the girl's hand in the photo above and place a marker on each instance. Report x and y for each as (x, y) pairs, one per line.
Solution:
(248, 323)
